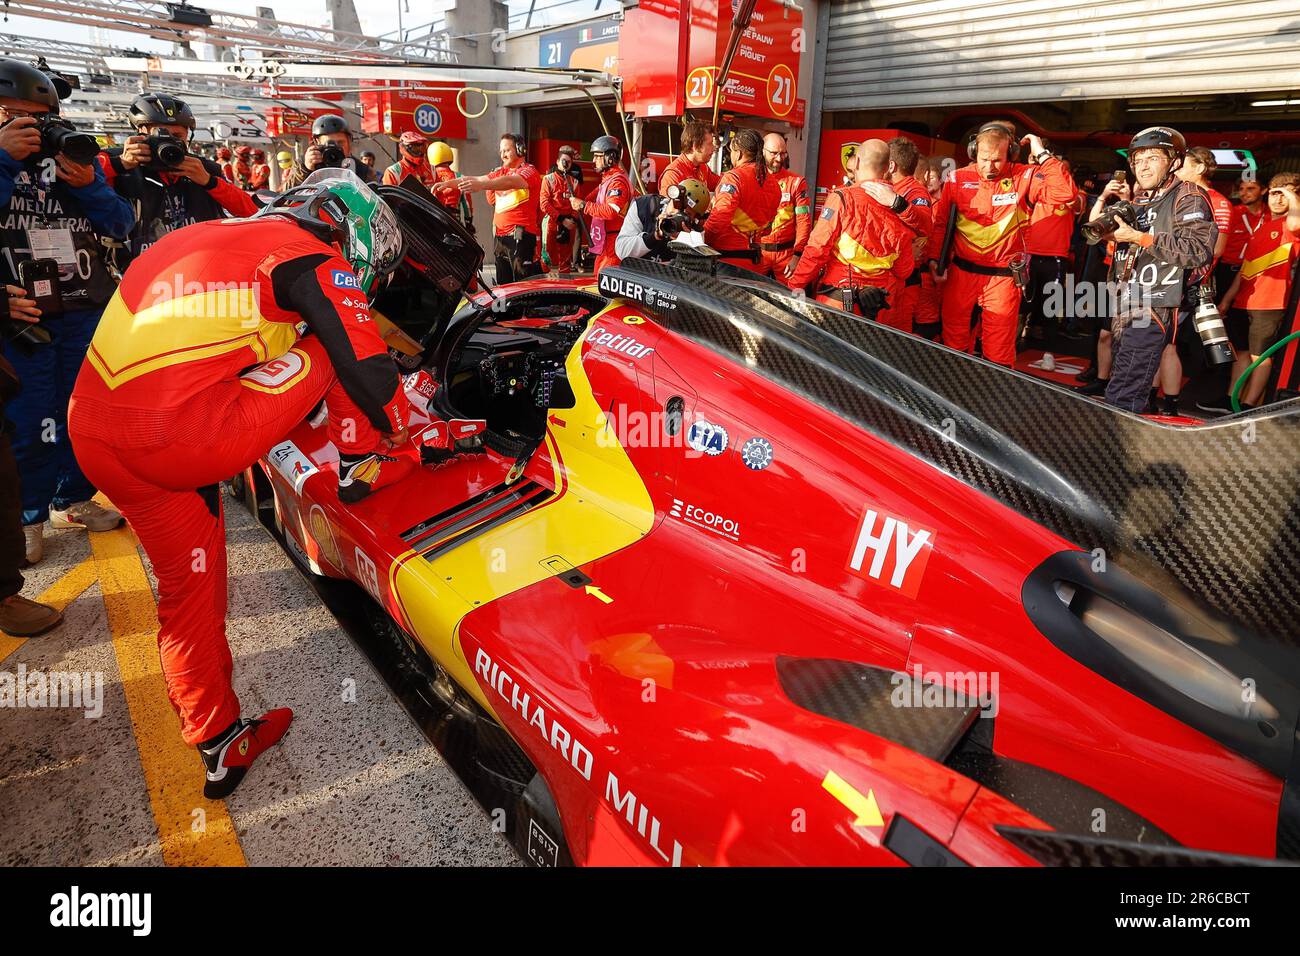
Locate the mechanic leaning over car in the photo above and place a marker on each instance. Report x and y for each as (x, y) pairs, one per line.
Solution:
(167, 185)
(164, 410)
(56, 208)
(654, 221)
(513, 190)
(1162, 238)
(744, 204)
(991, 201)
(332, 149)
(607, 208)
(855, 255)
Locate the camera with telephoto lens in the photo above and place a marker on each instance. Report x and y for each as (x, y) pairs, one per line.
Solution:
(60, 136)
(1109, 221)
(670, 227)
(1209, 326)
(331, 156)
(166, 152)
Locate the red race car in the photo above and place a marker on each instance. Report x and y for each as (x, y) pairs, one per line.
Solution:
(748, 580)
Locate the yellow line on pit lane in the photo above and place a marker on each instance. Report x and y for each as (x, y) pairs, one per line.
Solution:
(58, 595)
(173, 772)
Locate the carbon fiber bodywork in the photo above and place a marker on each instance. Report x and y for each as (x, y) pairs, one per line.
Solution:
(1214, 510)
(864, 697)
(1064, 849)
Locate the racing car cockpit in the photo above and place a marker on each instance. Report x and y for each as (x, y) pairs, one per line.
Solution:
(500, 361)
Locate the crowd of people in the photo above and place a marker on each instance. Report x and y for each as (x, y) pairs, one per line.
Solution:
(115, 370)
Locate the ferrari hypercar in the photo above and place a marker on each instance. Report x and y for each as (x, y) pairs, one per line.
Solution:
(742, 579)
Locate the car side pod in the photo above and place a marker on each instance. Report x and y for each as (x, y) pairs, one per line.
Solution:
(1164, 648)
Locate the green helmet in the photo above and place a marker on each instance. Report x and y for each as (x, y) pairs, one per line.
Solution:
(335, 205)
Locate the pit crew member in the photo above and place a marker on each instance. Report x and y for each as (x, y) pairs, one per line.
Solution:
(782, 245)
(693, 162)
(992, 199)
(857, 244)
(559, 225)
(172, 399)
(412, 161)
(513, 190)
(744, 204)
(609, 204)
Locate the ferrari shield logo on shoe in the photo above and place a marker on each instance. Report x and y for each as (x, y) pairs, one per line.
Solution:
(890, 551)
(243, 747)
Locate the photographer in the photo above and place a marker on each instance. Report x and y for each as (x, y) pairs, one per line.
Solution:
(333, 149)
(56, 205)
(168, 186)
(19, 617)
(653, 222)
(1162, 237)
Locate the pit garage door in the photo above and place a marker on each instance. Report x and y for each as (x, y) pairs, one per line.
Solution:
(897, 53)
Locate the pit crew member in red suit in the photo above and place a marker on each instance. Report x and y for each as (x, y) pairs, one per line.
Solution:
(994, 197)
(184, 387)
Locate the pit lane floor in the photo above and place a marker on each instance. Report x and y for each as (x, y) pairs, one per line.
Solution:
(354, 782)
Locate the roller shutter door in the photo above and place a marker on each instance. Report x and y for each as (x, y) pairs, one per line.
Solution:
(897, 53)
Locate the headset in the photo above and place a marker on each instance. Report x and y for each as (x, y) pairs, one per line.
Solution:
(520, 144)
(1013, 146)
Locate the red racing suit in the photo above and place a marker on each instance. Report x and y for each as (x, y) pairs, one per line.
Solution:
(607, 209)
(259, 177)
(919, 217)
(395, 173)
(163, 410)
(990, 229)
(791, 226)
(682, 168)
(742, 209)
(557, 190)
(856, 242)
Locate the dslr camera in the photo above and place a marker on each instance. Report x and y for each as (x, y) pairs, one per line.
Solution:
(331, 156)
(60, 136)
(166, 152)
(670, 227)
(1109, 221)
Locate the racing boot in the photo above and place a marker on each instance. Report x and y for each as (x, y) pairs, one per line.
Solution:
(1097, 386)
(228, 756)
(359, 475)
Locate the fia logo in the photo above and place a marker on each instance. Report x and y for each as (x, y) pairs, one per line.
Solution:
(890, 552)
(707, 437)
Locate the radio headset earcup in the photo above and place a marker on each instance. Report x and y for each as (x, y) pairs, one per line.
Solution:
(1013, 149)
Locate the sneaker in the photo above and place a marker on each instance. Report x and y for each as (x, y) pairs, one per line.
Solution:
(85, 514)
(359, 475)
(1217, 406)
(1087, 376)
(228, 758)
(34, 539)
(1097, 386)
(20, 617)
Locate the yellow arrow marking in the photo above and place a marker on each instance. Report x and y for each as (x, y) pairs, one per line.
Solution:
(58, 596)
(865, 808)
(598, 593)
(173, 772)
